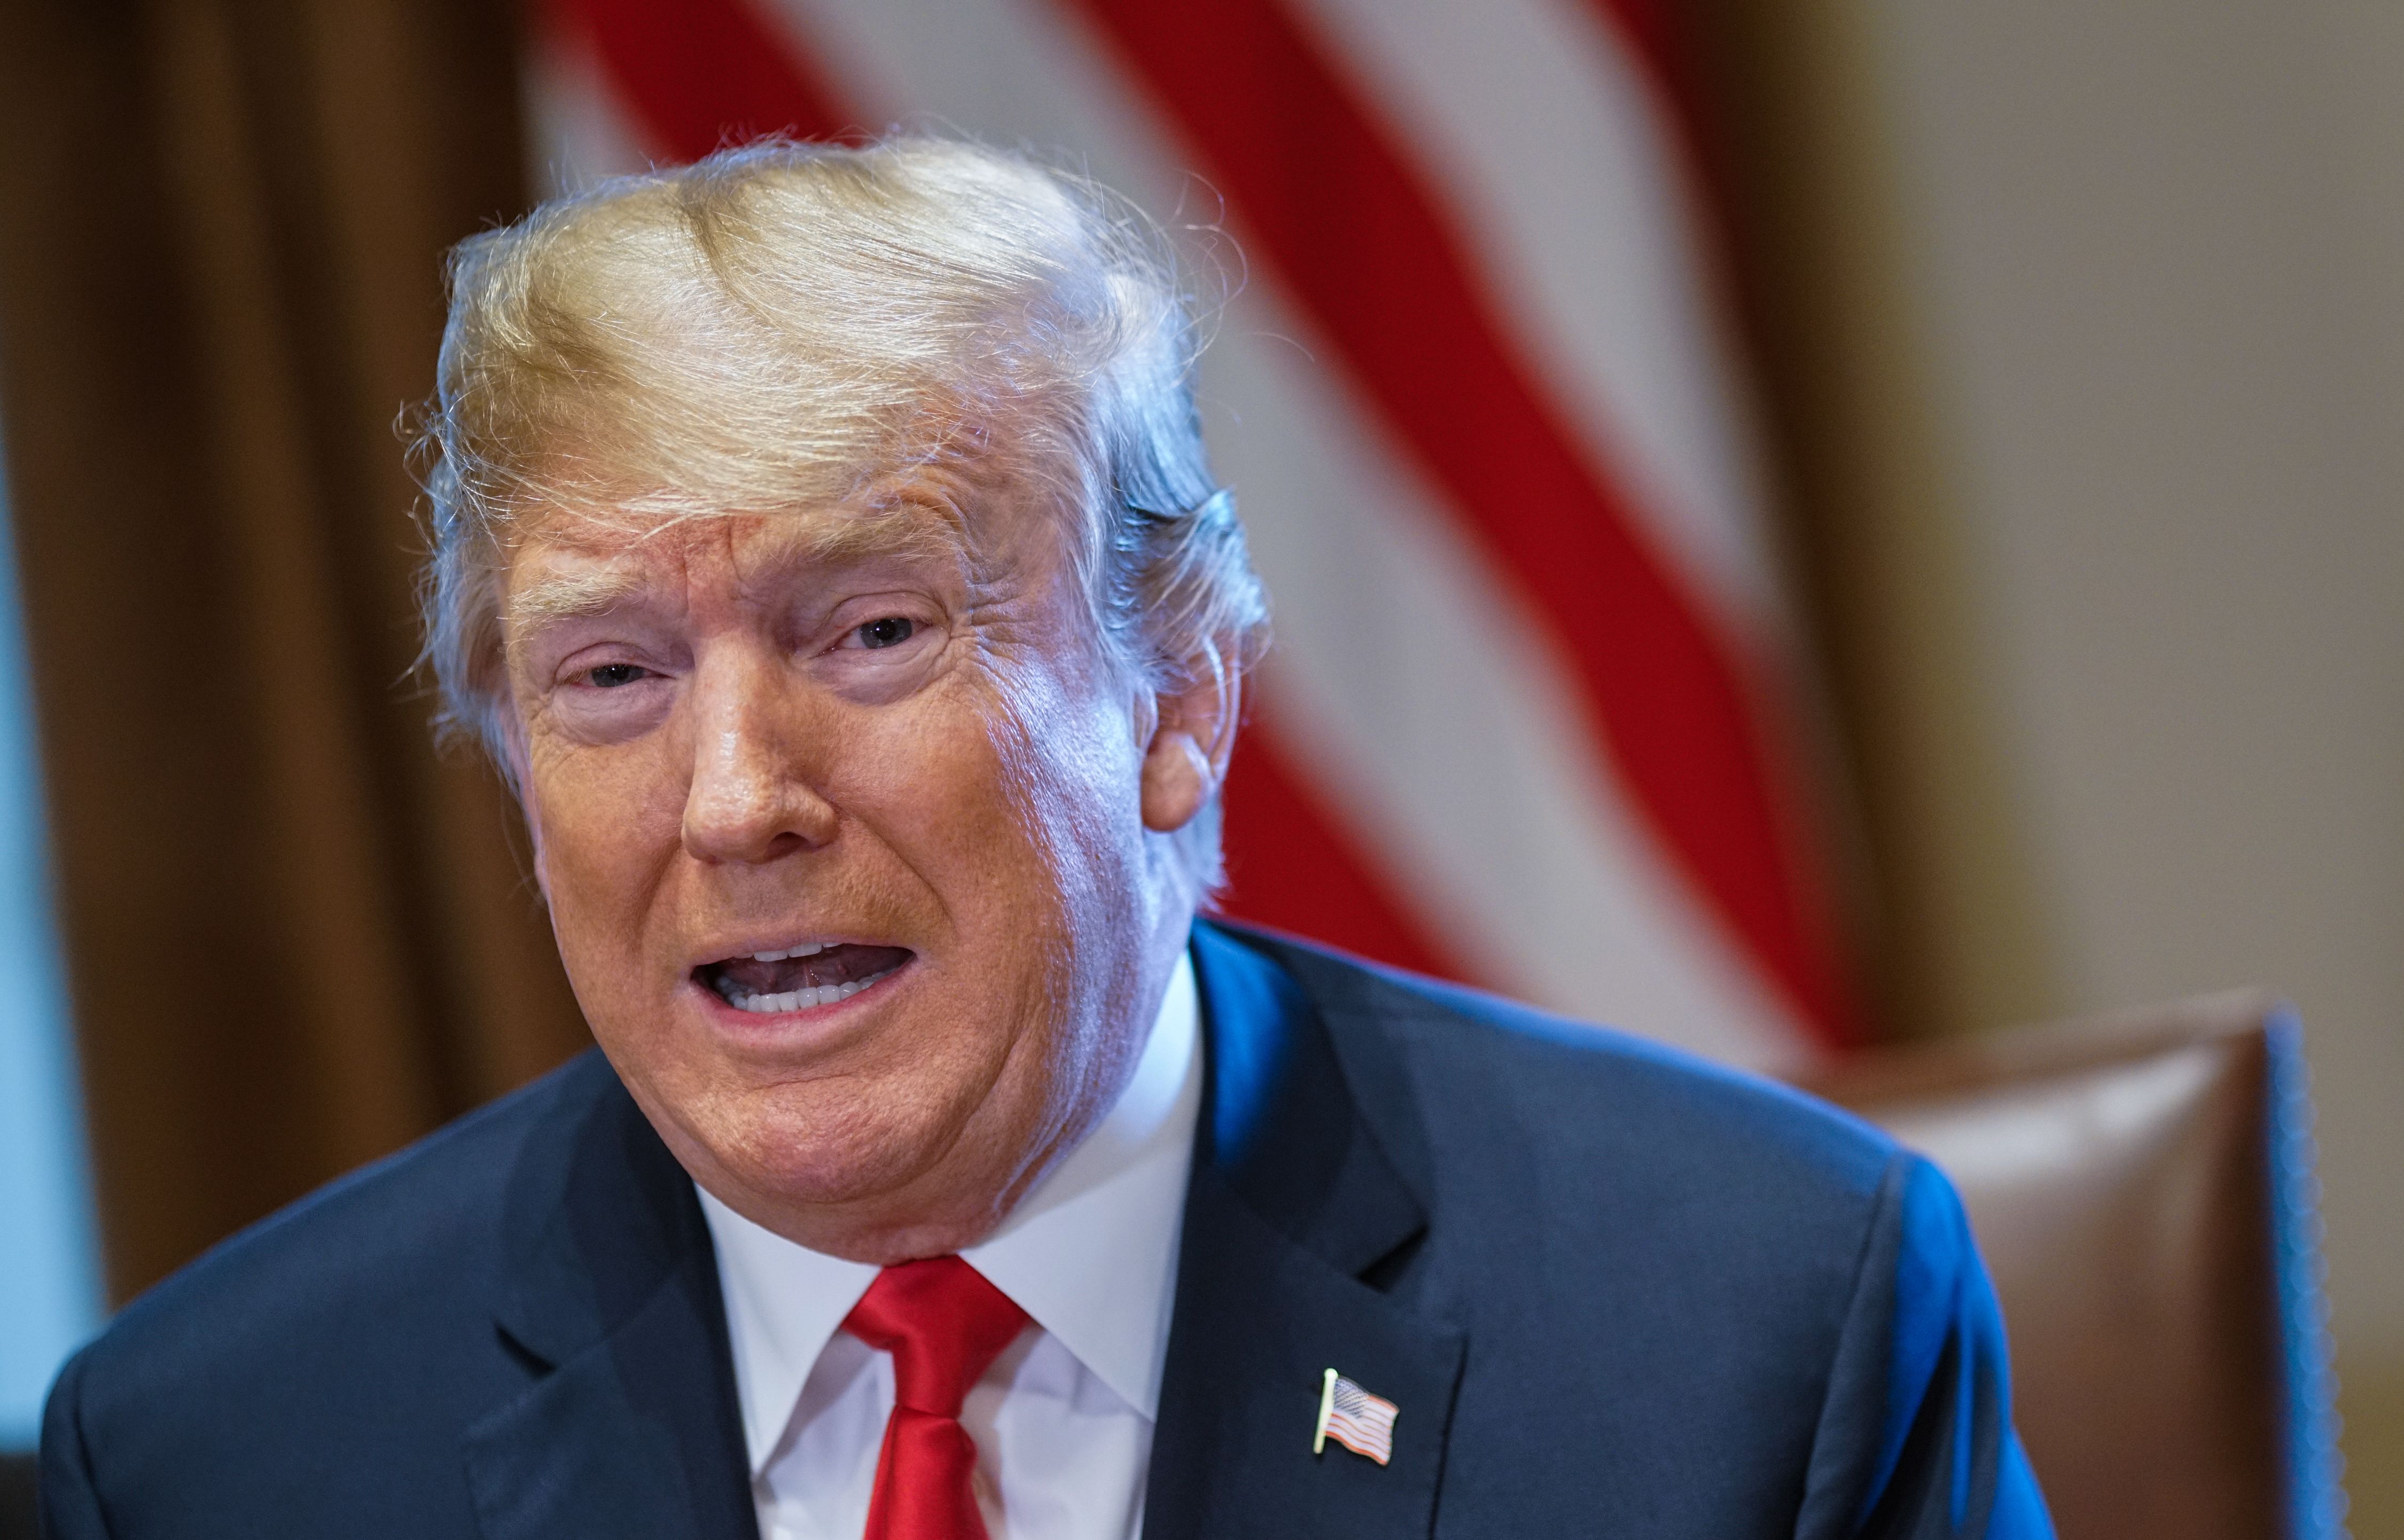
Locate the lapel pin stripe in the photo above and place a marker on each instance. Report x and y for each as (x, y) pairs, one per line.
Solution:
(1360, 1422)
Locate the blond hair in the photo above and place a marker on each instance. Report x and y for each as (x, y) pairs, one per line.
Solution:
(762, 330)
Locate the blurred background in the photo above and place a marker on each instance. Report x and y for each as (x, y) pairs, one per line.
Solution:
(1793, 528)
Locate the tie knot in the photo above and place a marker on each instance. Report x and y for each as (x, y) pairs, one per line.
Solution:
(944, 1325)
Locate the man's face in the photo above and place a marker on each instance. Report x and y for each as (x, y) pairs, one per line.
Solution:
(841, 817)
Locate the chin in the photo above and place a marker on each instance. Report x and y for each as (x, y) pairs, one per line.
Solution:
(801, 1147)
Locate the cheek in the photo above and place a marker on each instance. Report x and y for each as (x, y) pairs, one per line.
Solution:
(943, 784)
(1066, 768)
(603, 819)
(1013, 799)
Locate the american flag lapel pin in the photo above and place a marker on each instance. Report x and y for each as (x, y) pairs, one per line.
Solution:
(1360, 1422)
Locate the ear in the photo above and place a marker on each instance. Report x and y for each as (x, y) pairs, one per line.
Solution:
(1194, 732)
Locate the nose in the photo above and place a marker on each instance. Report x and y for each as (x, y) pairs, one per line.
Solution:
(751, 799)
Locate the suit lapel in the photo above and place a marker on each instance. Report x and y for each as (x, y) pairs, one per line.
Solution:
(632, 1427)
(1297, 1200)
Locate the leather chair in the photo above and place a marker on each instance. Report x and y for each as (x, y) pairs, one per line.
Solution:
(2142, 1188)
(16, 1496)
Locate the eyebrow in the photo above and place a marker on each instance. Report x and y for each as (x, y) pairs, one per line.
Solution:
(905, 530)
(569, 595)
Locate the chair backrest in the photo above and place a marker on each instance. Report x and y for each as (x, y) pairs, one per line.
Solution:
(17, 1496)
(2142, 1186)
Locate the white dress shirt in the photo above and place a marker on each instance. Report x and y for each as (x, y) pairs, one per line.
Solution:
(1063, 1421)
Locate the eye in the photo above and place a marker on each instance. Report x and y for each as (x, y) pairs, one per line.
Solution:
(888, 632)
(610, 675)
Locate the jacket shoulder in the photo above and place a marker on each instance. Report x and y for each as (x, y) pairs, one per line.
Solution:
(396, 1256)
(1576, 1094)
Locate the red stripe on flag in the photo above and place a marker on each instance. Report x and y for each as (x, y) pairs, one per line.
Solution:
(1343, 217)
(703, 74)
(1290, 868)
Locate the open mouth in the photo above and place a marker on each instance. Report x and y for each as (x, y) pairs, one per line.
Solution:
(807, 976)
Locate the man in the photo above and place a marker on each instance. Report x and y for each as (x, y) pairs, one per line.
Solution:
(824, 546)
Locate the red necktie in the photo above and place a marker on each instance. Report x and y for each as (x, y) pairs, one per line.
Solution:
(945, 1326)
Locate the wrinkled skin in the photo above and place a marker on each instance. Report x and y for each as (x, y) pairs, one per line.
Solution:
(888, 725)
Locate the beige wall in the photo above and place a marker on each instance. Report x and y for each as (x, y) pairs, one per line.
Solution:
(2097, 318)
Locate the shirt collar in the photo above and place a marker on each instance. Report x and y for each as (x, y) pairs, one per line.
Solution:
(1090, 1253)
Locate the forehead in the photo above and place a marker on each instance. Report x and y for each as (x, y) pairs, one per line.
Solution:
(569, 567)
(575, 562)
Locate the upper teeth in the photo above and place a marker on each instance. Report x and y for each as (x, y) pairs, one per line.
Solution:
(806, 949)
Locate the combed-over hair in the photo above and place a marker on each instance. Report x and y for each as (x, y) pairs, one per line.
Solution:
(763, 328)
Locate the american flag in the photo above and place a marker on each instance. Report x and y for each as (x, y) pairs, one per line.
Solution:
(1532, 716)
(1360, 1422)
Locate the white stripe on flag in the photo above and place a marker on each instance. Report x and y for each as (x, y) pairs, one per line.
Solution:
(577, 132)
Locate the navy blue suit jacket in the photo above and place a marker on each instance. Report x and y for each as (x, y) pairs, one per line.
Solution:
(1613, 1292)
